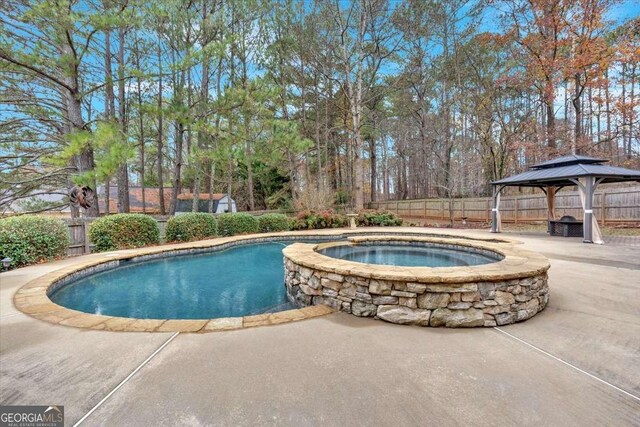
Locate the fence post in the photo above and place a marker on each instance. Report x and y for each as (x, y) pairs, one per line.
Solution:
(85, 229)
(515, 217)
(425, 208)
(397, 207)
(603, 206)
(442, 208)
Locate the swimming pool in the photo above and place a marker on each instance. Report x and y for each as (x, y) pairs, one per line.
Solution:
(239, 281)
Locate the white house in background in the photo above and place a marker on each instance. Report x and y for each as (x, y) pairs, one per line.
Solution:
(220, 203)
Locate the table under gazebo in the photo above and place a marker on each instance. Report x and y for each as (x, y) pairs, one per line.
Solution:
(584, 172)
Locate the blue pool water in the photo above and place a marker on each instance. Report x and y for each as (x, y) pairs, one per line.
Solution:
(240, 281)
(409, 256)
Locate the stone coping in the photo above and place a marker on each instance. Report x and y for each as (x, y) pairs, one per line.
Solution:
(33, 298)
(515, 264)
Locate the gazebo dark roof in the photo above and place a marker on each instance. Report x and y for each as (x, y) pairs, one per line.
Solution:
(560, 171)
(571, 159)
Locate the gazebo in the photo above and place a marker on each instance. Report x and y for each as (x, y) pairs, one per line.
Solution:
(584, 172)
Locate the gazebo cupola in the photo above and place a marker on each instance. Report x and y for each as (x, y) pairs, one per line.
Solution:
(550, 176)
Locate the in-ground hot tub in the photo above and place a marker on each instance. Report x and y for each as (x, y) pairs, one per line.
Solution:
(408, 254)
(433, 281)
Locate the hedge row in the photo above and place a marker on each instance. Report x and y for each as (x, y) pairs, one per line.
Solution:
(378, 219)
(311, 220)
(191, 226)
(230, 224)
(31, 239)
(196, 226)
(274, 222)
(123, 231)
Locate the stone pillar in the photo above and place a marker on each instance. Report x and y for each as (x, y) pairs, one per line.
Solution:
(352, 220)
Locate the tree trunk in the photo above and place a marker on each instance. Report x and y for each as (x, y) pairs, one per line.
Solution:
(385, 171)
(623, 103)
(632, 114)
(608, 111)
(598, 119)
(160, 135)
(551, 119)
(212, 175)
(249, 159)
(84, 161)
(217, 128)
(577, 106)
(204, 86)
(110, 105)
(319, 173)
(123, 170)
(141, 124)
(177, 169)
(354, 94)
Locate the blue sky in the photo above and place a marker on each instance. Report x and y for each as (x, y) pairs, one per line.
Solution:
(627, 9)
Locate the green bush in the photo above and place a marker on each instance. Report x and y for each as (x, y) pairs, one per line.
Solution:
(378, 218)
(230, 224)
(310, 220)
(122, 231)
(29, 239)
(274, 222)
(191, 226)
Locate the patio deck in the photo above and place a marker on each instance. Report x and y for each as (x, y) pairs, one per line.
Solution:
(575, 363)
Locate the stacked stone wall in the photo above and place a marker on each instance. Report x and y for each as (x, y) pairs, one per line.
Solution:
(474, 303)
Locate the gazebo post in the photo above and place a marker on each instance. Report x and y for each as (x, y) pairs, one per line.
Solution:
(494, 210)
(550, 193)
(588, 211)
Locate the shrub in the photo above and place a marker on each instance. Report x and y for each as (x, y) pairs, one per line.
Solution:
(309, 220)
(123, 231)
(274, 222)
(230, 224)
(29, 239)
(191, 226)
(378, 218)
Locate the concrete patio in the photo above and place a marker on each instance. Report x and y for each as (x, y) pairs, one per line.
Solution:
(575, 363)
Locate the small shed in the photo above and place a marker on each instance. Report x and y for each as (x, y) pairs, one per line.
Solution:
(584, 172)
(220, 203)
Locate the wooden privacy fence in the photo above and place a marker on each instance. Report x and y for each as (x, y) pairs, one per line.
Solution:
(610, 205)
(80, 243)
